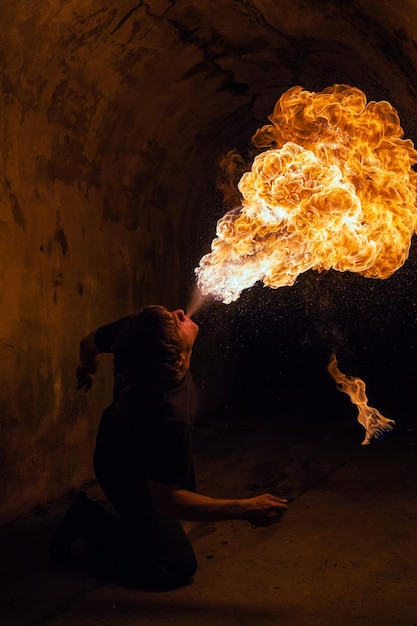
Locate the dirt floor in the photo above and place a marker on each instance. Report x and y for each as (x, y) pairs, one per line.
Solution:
(345, 552)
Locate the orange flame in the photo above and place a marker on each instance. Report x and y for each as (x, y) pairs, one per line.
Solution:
(375, 424)
(334, 189)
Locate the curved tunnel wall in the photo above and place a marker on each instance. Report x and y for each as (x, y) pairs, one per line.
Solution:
(112, 120)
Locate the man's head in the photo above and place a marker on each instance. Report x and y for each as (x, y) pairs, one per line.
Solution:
(155, 346)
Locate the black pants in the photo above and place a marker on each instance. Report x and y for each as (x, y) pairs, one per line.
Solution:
(145, 547)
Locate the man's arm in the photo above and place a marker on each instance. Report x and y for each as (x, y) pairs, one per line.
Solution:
(100, 341)
(262, 510)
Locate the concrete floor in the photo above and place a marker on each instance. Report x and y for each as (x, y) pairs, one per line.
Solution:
(345, 552)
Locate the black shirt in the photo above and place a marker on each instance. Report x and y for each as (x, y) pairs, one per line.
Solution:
(147, 435)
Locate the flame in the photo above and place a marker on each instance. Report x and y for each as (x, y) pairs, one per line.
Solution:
(334, 189)
(375, 424)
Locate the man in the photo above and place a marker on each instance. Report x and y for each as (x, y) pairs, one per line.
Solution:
(143, 459)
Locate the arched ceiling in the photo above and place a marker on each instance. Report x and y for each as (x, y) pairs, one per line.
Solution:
(129, 84)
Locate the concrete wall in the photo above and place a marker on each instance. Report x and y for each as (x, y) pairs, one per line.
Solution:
(112, 118)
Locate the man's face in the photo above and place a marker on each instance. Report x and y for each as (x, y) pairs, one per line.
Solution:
(187, 329)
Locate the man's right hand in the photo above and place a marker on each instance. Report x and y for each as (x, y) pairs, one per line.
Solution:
(265, 510)
(85, 379)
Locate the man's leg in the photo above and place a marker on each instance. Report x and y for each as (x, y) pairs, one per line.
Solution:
(153, 549)
(160, 554)
(83, 519)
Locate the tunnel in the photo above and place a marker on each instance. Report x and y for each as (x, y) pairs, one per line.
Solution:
(115, 120)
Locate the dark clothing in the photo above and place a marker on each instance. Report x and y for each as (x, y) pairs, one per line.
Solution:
(146, 435)
(105, 337)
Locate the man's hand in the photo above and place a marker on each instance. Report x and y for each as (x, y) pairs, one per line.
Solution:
(89, 359)
(85, 379)
(265, 510)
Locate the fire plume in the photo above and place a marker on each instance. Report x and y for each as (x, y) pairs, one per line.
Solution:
(375, 424)
(334, 188)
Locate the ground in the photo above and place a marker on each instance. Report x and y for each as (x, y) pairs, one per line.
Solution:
(344, 552)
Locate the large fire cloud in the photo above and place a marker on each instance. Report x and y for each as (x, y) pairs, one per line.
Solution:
(334, 188)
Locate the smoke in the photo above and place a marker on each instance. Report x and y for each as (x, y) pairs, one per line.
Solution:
(196, 302)
(231, 167)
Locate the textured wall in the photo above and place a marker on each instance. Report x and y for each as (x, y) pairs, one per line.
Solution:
(112, 118)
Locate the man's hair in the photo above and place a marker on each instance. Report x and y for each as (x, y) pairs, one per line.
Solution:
(148, 349)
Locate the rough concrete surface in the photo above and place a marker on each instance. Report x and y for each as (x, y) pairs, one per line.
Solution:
(344, 553)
